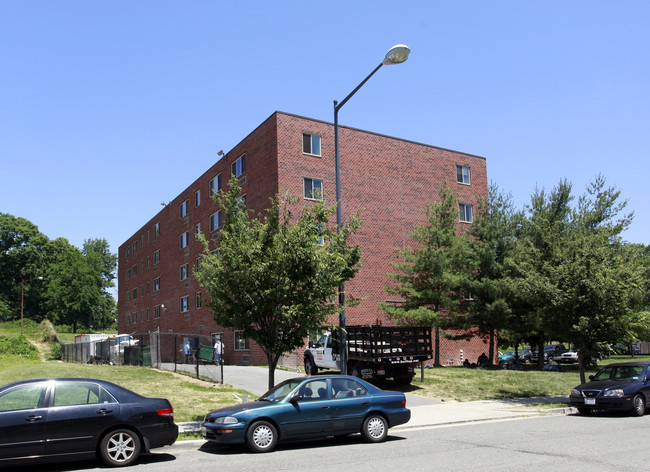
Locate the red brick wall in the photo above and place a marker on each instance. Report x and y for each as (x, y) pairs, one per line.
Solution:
(387, 180)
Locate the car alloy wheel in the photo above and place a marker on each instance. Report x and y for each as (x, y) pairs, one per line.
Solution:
(375, 428)
(120, 447)
(262, 437)
(638, 405)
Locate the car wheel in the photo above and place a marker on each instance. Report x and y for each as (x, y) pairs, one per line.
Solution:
(120, 448)
(310, 367)
(638, 405)
(262, 437)
(375, 428)
(584, 411)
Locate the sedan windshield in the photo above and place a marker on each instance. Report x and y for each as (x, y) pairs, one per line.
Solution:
(620, 372)
(280, 391)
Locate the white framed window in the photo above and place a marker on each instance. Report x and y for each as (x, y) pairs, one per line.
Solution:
(156, 230)
(135, 247)
(239, 166)
(197, 228)
(197, 198)
(465, 212)
(241, 343)
(128, 296)
(182, 209)
(215, 221)
(311, 144)
(184, 271)
(184, 240)
(215, 185)
(199, 300)
(185, 304)
(313, 188)
(156, 284)
(156, 312)
(156, 257)
(134, 270)
(462, 175)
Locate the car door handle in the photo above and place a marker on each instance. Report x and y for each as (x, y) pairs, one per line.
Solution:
(365, 403)
(325, 407)
(104, 411)
(33, 418)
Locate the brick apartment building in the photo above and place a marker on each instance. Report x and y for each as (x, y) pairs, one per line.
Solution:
(387, 180)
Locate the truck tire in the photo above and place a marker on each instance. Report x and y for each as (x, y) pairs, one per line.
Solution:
(310, 366)
(404, 380)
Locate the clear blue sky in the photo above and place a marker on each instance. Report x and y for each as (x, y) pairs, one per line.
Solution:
(108, 108)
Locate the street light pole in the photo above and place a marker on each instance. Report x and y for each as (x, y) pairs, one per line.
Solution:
(396, 55)
(22, 301)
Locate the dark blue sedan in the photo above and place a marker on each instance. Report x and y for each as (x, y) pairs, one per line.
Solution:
(76, 418)
(622, 386)
(308, 407)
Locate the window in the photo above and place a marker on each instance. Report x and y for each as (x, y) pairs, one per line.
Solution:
(462, 174)
(197, 263)
(156, 257)
(134, 294)
(311, 144)
(197, 228)
(241, 344)
(135, 318)
(197, 198)
(185, 272)
(215, 221)
(128, 251)
(148, 288)
(465, 211)
(199, 300)
(135, 248)
(128, 274)
(239, 166)
(313, 188)
(347, 388)
(156, 312)
(185, 304)
(156, 230)
(148, 262)
(134, 270)
(148, 312)
(182, 209)
(128, 296)
(23, 397)
(156, 284)
(215, 185)
(183, 240)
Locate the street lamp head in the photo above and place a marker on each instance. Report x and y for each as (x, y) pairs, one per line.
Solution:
(396, 55)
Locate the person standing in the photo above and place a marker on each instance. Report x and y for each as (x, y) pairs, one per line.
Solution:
(187, 352)
(218, 351)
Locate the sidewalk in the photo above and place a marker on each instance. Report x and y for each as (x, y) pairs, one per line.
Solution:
(424, 411)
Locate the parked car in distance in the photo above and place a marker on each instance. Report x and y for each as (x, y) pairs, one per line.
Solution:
(78, 418)
(568, 357)
(308, 407)
(506, 356)
(523, 354)
(622, 386)
(551, 352)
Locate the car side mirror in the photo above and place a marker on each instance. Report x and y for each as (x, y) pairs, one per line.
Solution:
(591, 377)
(296, 398)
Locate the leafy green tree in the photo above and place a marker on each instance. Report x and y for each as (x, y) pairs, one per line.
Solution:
(429, 277)
(21, 258)
(535, 264)
(72, 294)
(274, 278)
(104, 264)
(598, 276)
(490, 241)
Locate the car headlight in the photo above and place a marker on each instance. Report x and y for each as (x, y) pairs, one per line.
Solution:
(225, 420)
(617, 392)
(575, 392)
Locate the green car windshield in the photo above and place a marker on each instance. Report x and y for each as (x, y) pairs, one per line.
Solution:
(620, 372)
(280, 391)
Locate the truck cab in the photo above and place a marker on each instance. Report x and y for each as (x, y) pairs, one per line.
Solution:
(319, 355)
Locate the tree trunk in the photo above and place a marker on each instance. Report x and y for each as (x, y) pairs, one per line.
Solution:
(436, 348)
(491, 355)
(581, 367)
(273, 362)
